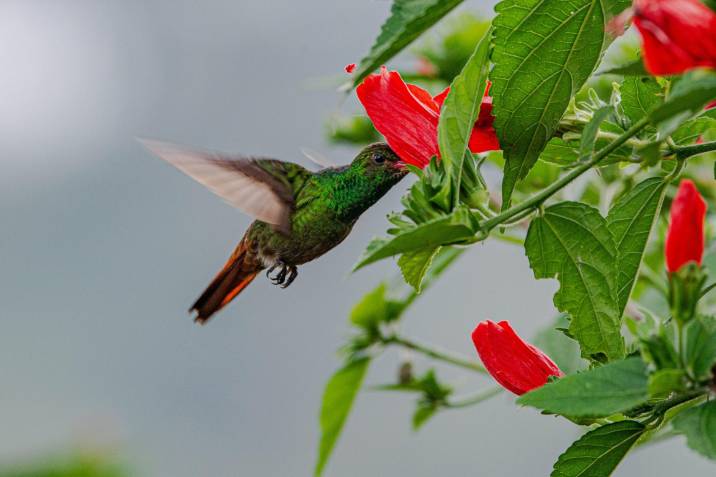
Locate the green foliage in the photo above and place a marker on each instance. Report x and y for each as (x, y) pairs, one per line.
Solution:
(599, 392)
(414, 266)
(631, 68)
(563, 350)
(630, 221)
(544, 52)
(572, 242)
(687, 99)
(640, 95)
(373, 309)
(554, 124)
(598, 452)
(352, 130)
(454, 228)
(449, 53)
(73, 466)
(433, 395)
(690, 131)
(699, 426)
(590, 131)
(666, 381)
(460, 111)
(338, 399)
(408, 19)
(701, 346)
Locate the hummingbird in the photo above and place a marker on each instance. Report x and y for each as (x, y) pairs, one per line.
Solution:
(299, 214)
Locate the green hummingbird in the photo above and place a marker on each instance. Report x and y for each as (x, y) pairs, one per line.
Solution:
(300, 215)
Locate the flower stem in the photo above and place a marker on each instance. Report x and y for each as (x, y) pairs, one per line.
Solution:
(682, 152)
(474, 399)
(439, 355)
(556, 186)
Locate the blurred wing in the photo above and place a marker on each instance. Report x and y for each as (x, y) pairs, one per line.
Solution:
(262, 188)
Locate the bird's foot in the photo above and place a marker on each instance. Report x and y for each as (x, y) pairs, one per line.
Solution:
(280, 277)
(285, 276)
(292, 274)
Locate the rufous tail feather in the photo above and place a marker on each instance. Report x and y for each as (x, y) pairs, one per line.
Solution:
(229, 282)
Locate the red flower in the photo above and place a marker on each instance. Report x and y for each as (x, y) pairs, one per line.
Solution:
(515, 364)
(685, 237)
(677, 35)
(349, 68)
(408, 116)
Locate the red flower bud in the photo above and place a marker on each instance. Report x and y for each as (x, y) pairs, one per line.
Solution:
(408, 116)
(677, 35)
(685, 237)
(515, 364)
(349, 68)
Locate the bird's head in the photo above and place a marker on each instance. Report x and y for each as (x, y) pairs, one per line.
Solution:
(379, 163)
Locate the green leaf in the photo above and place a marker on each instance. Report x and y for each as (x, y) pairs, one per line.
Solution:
(423, 412)
(414, 266)
(408, 20)
(338, 399)
(701, 346)
(634, 68)
(566, 153)
(630, 221)
(640, 96)
(571, 242)
(665, 381)
(590, 131)
(690, 131)
(597, 453)
(460, 111)
(699, 426)
(544, 52)
(372, 309)
(687, 99)
(454, 228)
(598, 392)
(563, 350)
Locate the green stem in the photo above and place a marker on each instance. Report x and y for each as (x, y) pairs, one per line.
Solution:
(431, 352)
(682, 152)
(556, 186)
(474, 399)
(707, 289)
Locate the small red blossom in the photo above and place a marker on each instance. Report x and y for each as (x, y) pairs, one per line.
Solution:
(685, 237)
(350, 67)
(426, 68)
(407, 116)
(515, 364)
(677, 35)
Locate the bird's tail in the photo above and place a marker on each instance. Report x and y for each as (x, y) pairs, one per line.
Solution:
(234, 277)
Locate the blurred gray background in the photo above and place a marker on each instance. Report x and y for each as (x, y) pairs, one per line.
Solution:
(103, 247)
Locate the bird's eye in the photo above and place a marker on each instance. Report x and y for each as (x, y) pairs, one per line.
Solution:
(378, 158)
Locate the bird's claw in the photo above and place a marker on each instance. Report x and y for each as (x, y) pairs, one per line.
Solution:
(285, 276)
(293, 273)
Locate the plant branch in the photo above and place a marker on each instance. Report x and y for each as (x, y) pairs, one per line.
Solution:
(683, 152)
(436, 354)
(473, 399)
(547, 192)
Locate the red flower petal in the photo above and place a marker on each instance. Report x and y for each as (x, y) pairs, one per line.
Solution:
(677, 35)
(403, 115)
(408, 117)
(440, 98)
(685, 237)
(350, 67)
(515, 364)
